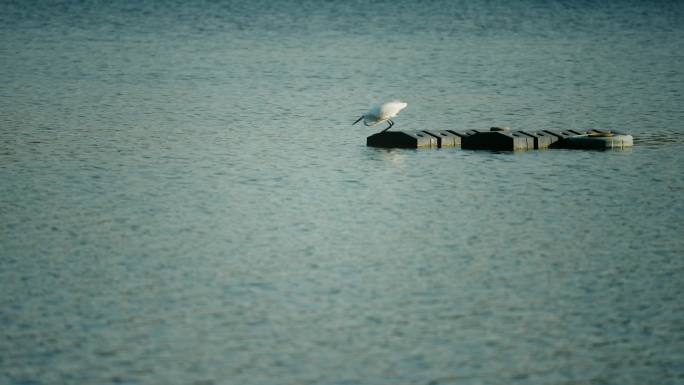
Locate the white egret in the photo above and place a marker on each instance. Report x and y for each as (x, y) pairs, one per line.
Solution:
(382, 113)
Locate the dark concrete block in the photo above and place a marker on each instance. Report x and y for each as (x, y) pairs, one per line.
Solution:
(562, 134)
(498, 140)
(541, 139)
(596, 141)
(401, 139)
(577, 131)
(599, 131)
(445, 138)
(559, 134)
(462, 134)
(500, 128)
(502, 140)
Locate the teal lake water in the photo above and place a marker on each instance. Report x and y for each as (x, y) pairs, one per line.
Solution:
(183, 198)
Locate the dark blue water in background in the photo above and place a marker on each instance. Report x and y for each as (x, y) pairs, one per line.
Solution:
(184, 201)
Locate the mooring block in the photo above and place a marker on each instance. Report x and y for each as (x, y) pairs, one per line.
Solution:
(503, 139)
(402, 139)
(462, 134)
(498, 140)
(541, 139)
(600, 131)
(445, 138)
(562, 134)
(598, 141)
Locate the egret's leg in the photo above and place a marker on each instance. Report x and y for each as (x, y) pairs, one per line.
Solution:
(391, 123)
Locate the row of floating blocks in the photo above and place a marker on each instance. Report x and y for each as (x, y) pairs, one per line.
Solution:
(502, 138)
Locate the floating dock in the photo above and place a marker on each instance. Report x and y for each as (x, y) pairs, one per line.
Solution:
(502, 138)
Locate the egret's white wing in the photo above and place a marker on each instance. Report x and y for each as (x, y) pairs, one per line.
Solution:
(391, 109)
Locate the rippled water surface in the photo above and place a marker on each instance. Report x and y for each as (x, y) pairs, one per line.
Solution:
(183, 199)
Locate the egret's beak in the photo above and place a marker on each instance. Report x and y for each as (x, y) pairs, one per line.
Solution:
(357, 120)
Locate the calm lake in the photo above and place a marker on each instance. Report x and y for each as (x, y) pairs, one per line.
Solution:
(183, 198)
